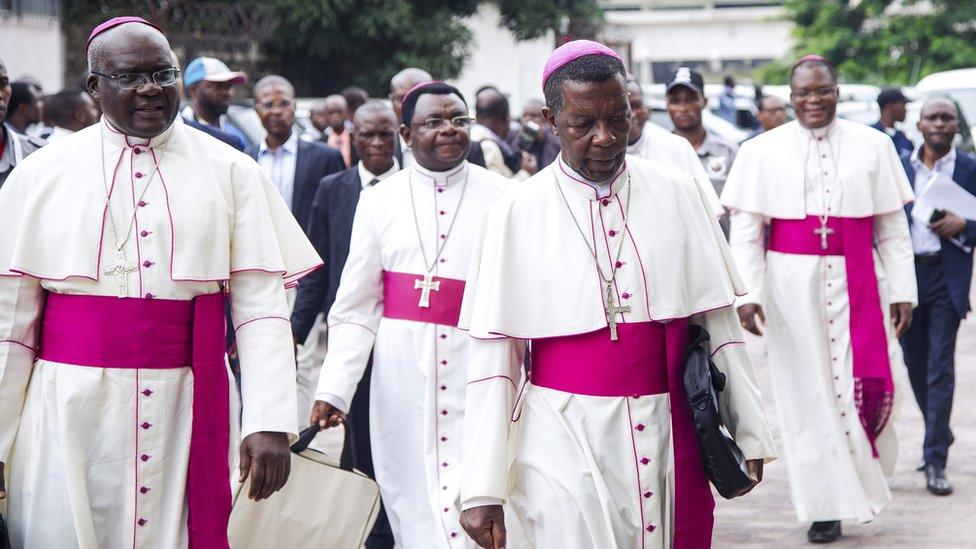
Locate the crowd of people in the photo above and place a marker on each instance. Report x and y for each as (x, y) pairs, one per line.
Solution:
(497, 311)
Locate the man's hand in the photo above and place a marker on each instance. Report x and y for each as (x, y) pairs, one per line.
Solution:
(3, 487)
(901, 317)
(326, 415)
(747, 317)
(266, 458)
(485, 525)
(529, 163)
(755, 468)
(951, 225)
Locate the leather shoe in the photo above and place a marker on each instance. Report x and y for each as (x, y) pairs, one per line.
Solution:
(936, 481)
(824, 532)
(921, 466)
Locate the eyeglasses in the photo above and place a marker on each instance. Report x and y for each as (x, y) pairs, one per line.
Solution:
(135, 80)
(459, 122)
(822, 93)
(280, 103)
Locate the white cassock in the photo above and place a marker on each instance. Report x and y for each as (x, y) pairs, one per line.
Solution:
(659, 145)
(584, 471)
(73, 437)
(790, 173)
(419, 368)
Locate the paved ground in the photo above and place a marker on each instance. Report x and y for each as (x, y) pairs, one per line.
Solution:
(914, 519)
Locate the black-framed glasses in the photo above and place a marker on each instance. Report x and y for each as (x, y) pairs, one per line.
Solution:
(459, 122)
(280, 103)
(134, 80)
(822, 93)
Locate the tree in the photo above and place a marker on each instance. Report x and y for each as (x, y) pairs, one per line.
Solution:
(327, 44)
(882, 41)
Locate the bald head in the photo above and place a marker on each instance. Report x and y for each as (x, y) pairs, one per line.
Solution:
(104, 46)
(375, 136)
(402, 82)
(274, 81)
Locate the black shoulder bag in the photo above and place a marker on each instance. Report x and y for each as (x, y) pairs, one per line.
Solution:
(724, 464)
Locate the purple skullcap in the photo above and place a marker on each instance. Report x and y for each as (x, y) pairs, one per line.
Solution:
(812, 57)
(419, 86)
(571, 51)
(115, 22)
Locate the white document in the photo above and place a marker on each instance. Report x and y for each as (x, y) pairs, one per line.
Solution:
(945, 194)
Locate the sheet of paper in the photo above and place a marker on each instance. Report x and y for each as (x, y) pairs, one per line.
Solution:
(944, 194)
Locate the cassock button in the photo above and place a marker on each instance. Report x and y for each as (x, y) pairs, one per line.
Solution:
(454, 534)
(651, 528)
(443, 363)
(144, 490)
(138, 175)
(147, 263)
(440, 190)
(142, 522)
(443, 236)
(848, 433)
(146, 425)
(442, 212)
(144, 234)
(443, 412)
(648, 494)
(443, 487)
(443, 387)
(625, 295)
(443, 336)
(444, 464)
(618, 264)
(149, 296)
(605, 202)
(640, 427)
(444, 439)
(147, 392)
(144, 457)
(843, 414)
(446, 509)
(137, 150)
(443, 260)
(645, 461)
(142, 203)
(612, 232)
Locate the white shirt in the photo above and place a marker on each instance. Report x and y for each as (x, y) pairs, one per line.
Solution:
(57, 133)
(924, 241)
(279, 164)
(366, 176)
(405, 151)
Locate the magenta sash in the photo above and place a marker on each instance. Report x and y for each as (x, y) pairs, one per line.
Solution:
(108, 332)
(648, 359)
(401, 297)
(853, 239)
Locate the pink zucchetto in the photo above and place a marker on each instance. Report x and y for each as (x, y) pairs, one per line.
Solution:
(115, 22)
(571, 51)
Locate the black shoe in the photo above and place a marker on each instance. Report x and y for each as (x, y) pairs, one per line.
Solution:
(921, 466)
(936, 481)
(824, 532)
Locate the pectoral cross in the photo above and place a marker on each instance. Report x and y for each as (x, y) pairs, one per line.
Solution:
(425, 286)
(120, 269)
(824, 232)
(612, 312)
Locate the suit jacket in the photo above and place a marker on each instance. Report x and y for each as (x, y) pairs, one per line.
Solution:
(956, 263)
(330, 230)
(221, 135)
(313, 162)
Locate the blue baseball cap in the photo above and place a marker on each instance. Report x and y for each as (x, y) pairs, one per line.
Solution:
(209, 69)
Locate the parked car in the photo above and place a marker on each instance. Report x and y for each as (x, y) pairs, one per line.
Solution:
(711, 121)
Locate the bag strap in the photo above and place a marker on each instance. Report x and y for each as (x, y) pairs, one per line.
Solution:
(308, 435)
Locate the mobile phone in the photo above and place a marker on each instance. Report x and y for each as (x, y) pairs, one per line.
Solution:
(936, 216)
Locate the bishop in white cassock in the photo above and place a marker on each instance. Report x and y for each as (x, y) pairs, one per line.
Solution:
(118, 245)
(600, 262)
(399, 298)
(839, 251)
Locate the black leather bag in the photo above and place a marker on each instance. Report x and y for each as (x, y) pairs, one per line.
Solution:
(724, 464)
(4, 536)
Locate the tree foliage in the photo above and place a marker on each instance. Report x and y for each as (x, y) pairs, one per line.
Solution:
(882, 41)
(325, 45)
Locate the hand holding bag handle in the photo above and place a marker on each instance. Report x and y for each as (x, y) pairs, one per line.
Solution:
(308, 435)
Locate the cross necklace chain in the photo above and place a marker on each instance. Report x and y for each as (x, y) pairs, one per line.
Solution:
(823, 231)
(612, 311)
(428, 284)
(120, 269)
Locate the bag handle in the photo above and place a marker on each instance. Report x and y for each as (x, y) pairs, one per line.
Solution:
(308, 435)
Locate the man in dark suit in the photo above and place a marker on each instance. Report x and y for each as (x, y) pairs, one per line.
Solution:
(330, 229)
(943, 266)
(295, 166)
